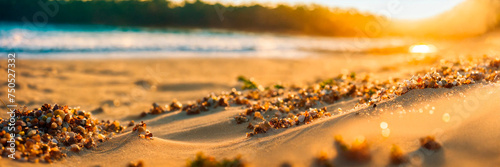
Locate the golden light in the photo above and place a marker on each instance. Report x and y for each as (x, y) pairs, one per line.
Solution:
(422, 48)
(386, 132)
(446, 117)
(384, 125)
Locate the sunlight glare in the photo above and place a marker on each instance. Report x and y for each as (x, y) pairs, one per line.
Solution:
(422, 48)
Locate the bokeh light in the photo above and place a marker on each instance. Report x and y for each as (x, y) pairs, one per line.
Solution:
(446, 117)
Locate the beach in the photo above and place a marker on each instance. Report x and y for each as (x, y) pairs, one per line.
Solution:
(136, 83)
(463, 119)
(217, 83)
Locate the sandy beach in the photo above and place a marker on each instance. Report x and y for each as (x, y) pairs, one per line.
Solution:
(217, 83)
(130, 86)
(463, 119)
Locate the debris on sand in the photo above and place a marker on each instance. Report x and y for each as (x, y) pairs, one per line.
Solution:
(156, 109)
(139, 163)
(241, 118)
(285, 108)
(359, 151)
(262, 127)
(397, 156)
(143, 132)
(208, 161)
(47, 133)
(322, 161)
(430, 143)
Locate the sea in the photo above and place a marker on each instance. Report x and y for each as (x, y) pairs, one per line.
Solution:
(66, 41)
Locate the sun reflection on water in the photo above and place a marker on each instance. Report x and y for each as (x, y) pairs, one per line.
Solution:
(422, 48)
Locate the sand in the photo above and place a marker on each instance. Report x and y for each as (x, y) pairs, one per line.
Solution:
(125, 88)
(179, 137)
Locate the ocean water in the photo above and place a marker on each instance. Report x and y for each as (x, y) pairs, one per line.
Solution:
(98, 41)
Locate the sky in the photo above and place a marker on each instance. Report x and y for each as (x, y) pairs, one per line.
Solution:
(410, 9)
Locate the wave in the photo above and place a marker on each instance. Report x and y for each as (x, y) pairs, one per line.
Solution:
(106, 39)
(104, 50)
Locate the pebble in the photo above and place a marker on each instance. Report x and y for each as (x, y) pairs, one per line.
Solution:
(41, 132)
(302, 118)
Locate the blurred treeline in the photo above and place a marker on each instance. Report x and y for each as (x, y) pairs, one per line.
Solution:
(311, 20)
